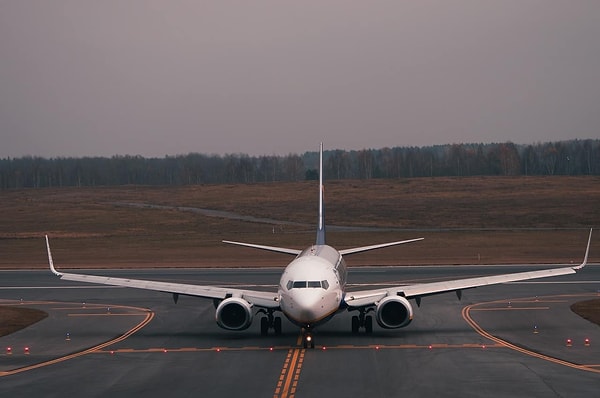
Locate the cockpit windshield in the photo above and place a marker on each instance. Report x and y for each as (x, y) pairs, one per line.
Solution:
(308, 285)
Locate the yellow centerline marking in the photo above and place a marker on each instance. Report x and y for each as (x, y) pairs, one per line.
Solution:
(290, 373)
(108, 314)
(510, 309)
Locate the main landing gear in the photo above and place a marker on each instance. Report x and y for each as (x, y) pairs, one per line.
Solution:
(362, 321)
(269, 322)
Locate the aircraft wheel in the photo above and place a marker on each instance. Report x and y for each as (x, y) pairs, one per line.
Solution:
(355, 324)
(277, 325)
(308, 341)
(264, 326)
(369, 324)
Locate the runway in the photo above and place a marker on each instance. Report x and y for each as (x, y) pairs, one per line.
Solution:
(506, 340)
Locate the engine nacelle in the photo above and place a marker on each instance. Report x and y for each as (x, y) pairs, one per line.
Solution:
(394, 312)
(234, 313)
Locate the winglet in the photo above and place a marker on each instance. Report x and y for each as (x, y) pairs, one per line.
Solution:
(54, 271)
(587, 252)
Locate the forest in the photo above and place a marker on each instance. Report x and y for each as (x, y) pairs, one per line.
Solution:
(574, 157)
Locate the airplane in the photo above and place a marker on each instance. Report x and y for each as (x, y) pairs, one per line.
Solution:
(312, 288)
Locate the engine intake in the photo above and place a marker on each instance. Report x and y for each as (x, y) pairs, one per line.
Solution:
(234, 314)
(394, 312)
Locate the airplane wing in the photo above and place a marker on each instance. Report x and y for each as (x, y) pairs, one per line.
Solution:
(257, 298)
(365, 298)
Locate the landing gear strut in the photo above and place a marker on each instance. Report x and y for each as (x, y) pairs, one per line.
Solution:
(362, 320)
(269, 322)
(307, 339)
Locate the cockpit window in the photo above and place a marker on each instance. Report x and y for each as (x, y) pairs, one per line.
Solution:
(307, 284)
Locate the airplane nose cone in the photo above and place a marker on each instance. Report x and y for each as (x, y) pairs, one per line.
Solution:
(309, 305)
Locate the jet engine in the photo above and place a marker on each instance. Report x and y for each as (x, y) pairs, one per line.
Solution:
(394, 312)
(234, 313)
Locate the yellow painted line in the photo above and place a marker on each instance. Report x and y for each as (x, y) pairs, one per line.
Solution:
(288, 348)
(467, 317)
(108, 314)
(290, 373)
(510, 309)
(149, 315)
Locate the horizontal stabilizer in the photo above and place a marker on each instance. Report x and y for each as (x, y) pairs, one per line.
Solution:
(373, 247)
(284, 250)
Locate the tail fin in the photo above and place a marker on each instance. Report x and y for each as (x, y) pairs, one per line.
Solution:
(321, 227)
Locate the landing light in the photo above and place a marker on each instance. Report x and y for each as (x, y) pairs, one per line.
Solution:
(308, 338)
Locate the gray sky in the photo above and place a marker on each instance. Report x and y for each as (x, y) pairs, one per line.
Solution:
(149, 77)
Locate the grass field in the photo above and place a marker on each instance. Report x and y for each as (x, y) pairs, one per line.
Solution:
(463, 220)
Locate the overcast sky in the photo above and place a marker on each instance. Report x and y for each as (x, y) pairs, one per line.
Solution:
(155, 78)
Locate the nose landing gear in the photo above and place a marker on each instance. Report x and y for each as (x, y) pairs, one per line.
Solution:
(307, 339)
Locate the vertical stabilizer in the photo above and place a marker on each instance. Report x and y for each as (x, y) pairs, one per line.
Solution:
(321, 226)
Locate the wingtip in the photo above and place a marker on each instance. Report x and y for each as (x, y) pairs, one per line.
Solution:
(587, 252)
(50, 262)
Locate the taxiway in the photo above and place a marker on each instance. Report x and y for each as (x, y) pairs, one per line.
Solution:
(505, 340)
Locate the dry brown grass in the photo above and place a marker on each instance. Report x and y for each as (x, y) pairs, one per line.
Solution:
(526, 219)
(13, 319)
(589, 310)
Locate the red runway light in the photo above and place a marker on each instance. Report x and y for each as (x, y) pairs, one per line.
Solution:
(26, 350)
(271, 349)
(586, 342)
(569, 342)
(8, 350)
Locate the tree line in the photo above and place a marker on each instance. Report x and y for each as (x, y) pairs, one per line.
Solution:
(574, 157)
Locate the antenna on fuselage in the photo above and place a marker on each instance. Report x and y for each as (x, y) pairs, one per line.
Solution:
(321, 227)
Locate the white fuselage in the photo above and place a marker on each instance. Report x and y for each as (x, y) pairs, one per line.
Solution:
(311, 288)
